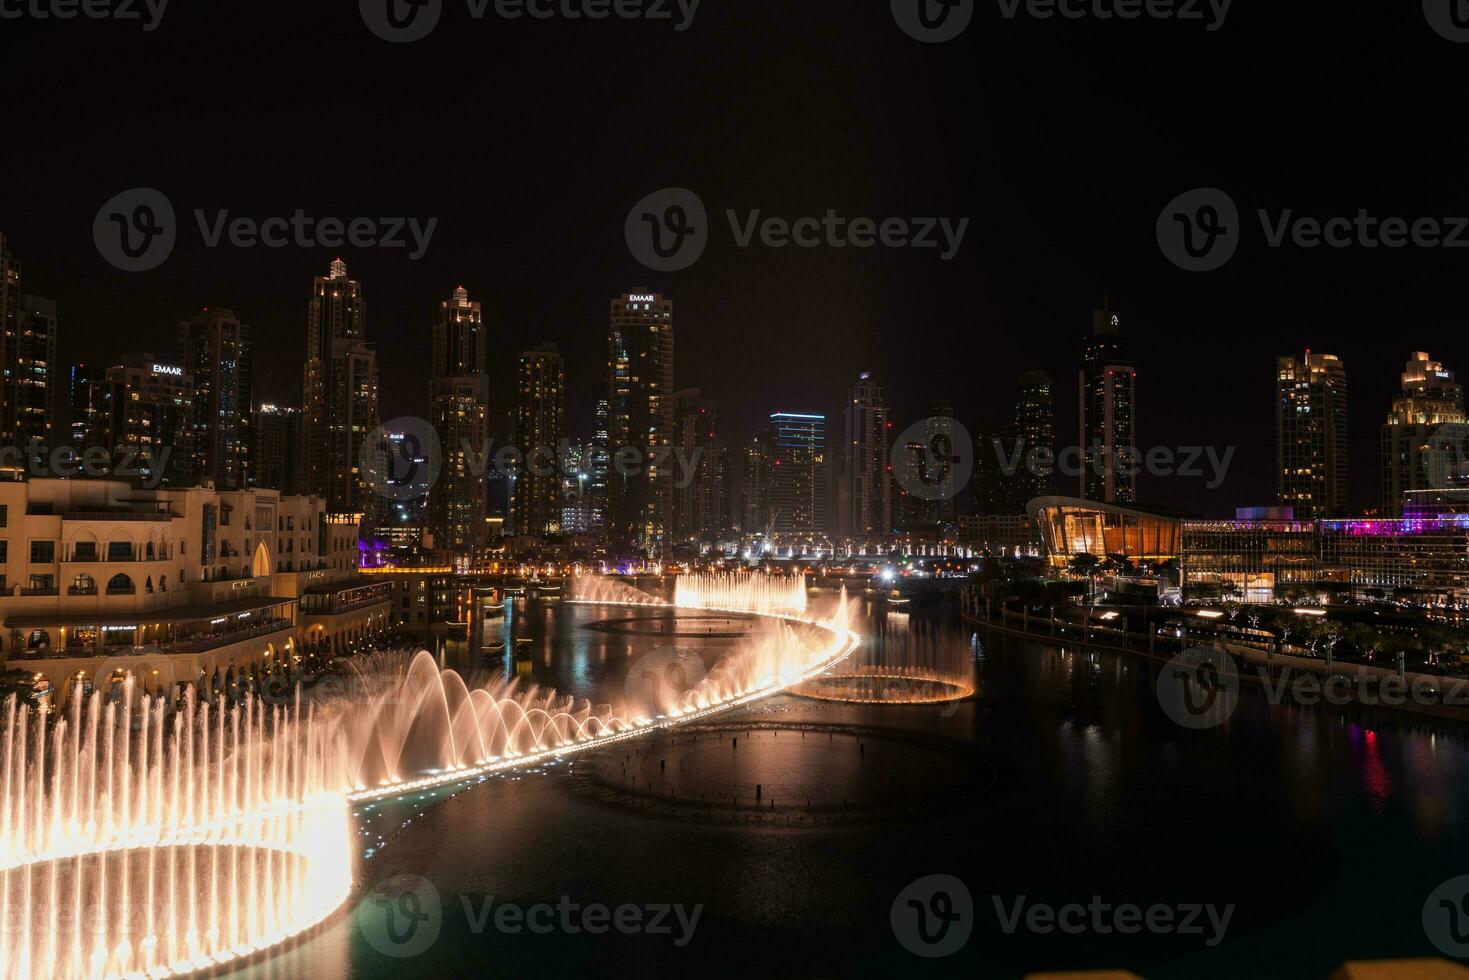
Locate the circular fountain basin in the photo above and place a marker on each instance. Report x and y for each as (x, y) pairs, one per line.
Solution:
(875, 685)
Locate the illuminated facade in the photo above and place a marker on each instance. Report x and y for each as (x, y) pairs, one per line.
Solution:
(1422, 559)
(796, 474)
(339, 402)
(1249, 558)
(1422, 439)
(1108, 399)
(540, 412)
(865, 491)
(459, 399)
(149, 413)
(214, 349)
(640, 420)
(102, 580)
(1071, 526)
(1311, 435)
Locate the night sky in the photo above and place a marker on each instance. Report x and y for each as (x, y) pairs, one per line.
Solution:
(1060, 140)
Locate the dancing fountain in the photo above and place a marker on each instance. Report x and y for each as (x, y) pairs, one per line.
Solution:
(143, 838)
(163, 840)
(776, 595)
(901, 665)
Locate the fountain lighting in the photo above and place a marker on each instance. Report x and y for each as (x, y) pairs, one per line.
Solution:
(190, 835)
(900, 666)
(742, 592)
(140, 838)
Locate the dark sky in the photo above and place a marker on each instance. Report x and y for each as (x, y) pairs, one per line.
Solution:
(1060, 140)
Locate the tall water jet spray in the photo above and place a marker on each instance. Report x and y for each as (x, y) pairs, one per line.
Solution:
(745, 592)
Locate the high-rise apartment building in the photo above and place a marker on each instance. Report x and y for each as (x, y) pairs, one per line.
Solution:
(30, 371)
(1108, 399)
(214, 350)
(277, 452)
(1035, 428)
(864, 492)
(1416, 453)
(1311, 435)
(149, 409)
(640, 422)
(459, 411)
(700, 510)
(340, 397)
(796, 481)
(540, 409)
(87, 425)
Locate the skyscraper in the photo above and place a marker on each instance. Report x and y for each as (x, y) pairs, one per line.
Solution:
(864, 493)
(599, 466)
(1429, 398)
(88, 421)
(700, 511)
(275, 458)
(640, 422)
(1311, 435)
(1108, 393)
(796, 482)
(31, 371)
(149, 409)
(940, 434)
(214, 349)
(459, 409)
(540, 406)
(11, 313)
(340, 393)
(1035, 427)
(754, 488)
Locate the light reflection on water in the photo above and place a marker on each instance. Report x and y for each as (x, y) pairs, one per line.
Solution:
(1318, 822)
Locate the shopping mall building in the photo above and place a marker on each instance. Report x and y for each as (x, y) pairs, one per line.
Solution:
(1423, 557)
(100, 581)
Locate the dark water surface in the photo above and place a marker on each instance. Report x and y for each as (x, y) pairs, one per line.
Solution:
(1326, 828)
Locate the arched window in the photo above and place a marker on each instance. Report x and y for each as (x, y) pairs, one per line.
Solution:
(148, 551)
(84, 584)
(163, 583)
(120, 584)
(148, 583)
